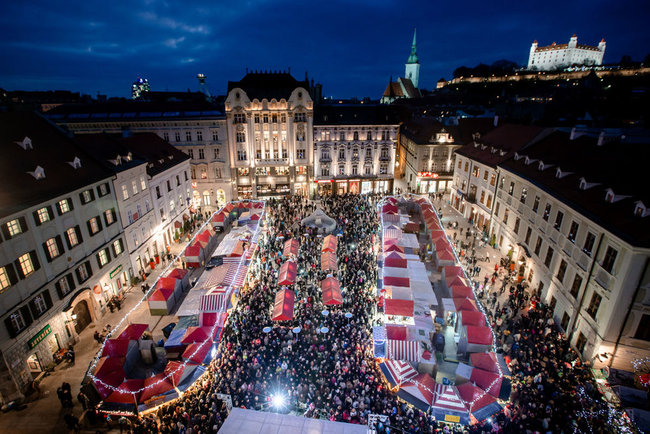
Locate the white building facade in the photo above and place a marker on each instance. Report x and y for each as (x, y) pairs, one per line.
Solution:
(558, 56)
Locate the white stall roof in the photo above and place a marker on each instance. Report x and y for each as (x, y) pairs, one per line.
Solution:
(191, 303)
(257, 422)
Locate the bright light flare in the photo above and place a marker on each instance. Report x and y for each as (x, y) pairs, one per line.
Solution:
(278, 400)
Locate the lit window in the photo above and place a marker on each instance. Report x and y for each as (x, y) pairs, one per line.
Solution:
(64, 206)
(52, 248)
(125, 192)
(82, 273)
(43, 215)
(26, 265)
(4, 279)
(117, 247)
(103, 258)
(40, 304)
(108, 215)
(86, 196)
(73, 240)
(134, 187)
(94, 226)
(171, 205)
(64, 285)
(14, 227)
(143, 184)
(17, 321)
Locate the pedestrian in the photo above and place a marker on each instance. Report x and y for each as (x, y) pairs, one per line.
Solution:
(83, 399)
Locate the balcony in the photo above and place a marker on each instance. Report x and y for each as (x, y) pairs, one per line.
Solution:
(271, 161)
(603, 278)
(471, 198)
(325, 158)
(384, 158)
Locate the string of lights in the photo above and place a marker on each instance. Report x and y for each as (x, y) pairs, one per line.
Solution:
(213, 329)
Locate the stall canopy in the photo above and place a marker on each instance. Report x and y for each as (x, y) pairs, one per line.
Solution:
(391, 200)
(445, 255)
(178, 273)
(461, 291)
(116, 348)
(419, 391)
(464, 304)
(287, 274)
(283, 308)
(126, 393)
(480, 335)
(473, 318)
(203, 238)
(219, 217)
(412, 227)
(328, 261)
(392, 246)
(395, 259)
(485, 361)
(396, 332)
(389, 208)
(196, 334)
(258, 205)
(438, 235)
(156, 386)
(198, 353)
(214, 301)
(403, 350)
(398, 307)
(329, 244)
(193, 255)
(452, 270)
(488, 381)
(291, 247)
(397, 281)
(397, 371)
(168, 283)
(229, 207)
(106, 365)
(113, 378)
(447, 405)
(483, 405)
(133, 331)
(177, 371)
(331, 291)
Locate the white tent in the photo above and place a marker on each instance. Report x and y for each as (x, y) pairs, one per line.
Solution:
(257, 422)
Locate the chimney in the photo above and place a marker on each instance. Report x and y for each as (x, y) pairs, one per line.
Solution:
(573, 133)
(601, 138)
(496, 120)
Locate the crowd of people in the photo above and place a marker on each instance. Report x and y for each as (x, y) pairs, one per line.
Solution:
(320, 363)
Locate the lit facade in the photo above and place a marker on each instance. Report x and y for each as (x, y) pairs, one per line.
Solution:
(557, 56)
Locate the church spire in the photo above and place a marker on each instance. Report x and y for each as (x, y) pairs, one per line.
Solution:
(413, 58)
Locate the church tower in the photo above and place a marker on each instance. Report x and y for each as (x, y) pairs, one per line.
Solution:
(412, 71)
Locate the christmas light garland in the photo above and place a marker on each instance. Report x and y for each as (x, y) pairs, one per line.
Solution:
(182, 366)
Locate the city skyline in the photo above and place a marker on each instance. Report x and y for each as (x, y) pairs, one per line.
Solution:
(351, 48)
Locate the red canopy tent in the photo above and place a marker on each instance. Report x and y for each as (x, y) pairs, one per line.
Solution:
(484, 379)
(255, 216)
(461, 291)
(195, 334)
(258, 205)
(178, 273)
(126, 392)
(168, 283)
(329, 244)
(438, 234)
(202, 352)
(161, 302)
(412, 227)
(107, 365)
(452, 270)
(398, 307)
(203, 238)
(392, 246)
(445, 255)
(328, 261)
(155, 386)
(442, 244)
(389, 208)
(465, 304)
(193, 255)
(397, 281)
(395, 332)
(479, 335)
(331, 291)
(390, 218)
(473, 318)
(483, 405)
(291, 247)
(283, 308)
(391, 199)
(219, 217)
(418, 391)
(229, 207)
(287, 275)
(112, 378)
(456, 281)
(116, 347)
(133, 331)
(244, 204)
(238, 250)
(177, 372)
(395, 259)
(485, 361)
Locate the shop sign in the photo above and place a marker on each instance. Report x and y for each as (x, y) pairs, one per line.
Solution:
(39, 337)
(450, 418)
(194, 184)
(427, 175)
(97, 289)
(115, 271)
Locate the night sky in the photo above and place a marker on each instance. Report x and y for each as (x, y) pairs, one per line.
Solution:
(351, 47)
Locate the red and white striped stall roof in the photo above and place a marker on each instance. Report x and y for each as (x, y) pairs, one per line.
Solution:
(403, 350)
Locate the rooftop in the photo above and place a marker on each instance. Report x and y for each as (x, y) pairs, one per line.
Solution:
(268, 85)
(356, 114)
(423, 131)
(120, 111)
(603, 168)
(48, 147)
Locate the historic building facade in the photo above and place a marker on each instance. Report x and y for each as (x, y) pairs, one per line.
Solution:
(354, 148)
(269, 124)
(556, 56)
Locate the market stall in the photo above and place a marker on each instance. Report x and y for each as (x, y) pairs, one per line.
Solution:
(331, 291)
(283, 307)
(287, 274)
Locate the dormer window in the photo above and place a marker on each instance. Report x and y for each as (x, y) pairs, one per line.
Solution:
(26, 143)
(640, 210)
(502, 153)
(483, 147)
(76, 163)
(543, 166)
(129, 156)
(493, 150)
(529, 161)
(38, 173)
(518, 157)
(609, 197)
(583, 184)
(560, 174)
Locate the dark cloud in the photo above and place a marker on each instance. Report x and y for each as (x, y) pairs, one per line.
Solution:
(352, 47)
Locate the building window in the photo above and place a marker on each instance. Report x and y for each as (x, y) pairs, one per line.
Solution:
(204, 173)
(496, 211)
(215, 153)
(489, 201)
(565, 321)
(475, 171)
(538, 245)
(493, 179)
(199, 136)
(609, 259)
(299, 117)
(325, 171)
(109, 216)
(64, 285)
(256, 117)
(26, 264)
(573, 231)
(102, 258)
(83, 272)
(589, 243)
(241, 137)
(217, 172)
(558, 220)
(72, 236)
(143, 183)
(355, 135)
(177, 136)
(485, 175)
(87, 196)
(460, 164)
(171, 205)
(466, 166)
(215, 136)
(536, 204)
(342, 154)
(166, 136)
(643, 330)
(506, 213)
(369, 135)
(201, 154)
(341, 170)
(594, 304)
(190, 152)
(354, 170)
(14, 227)
(384, 153)
(93, 225)
(581, 342)
(134, 187)
(52, 248)
(529, 231)
(188, 136)
(169, 186)
(547, 212)
(368, 170)
(383, 169)
(125, 192)
(4, 279)
(241, 155)
(193, 171)
(43, 215)
(341, 136)
(482, 196)
(117, 247)
(561, 271)
(575, 287)
(524, 193)
(300, 154)
(516, 229)
(17, 321)
(265, 118)
(549, 257)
